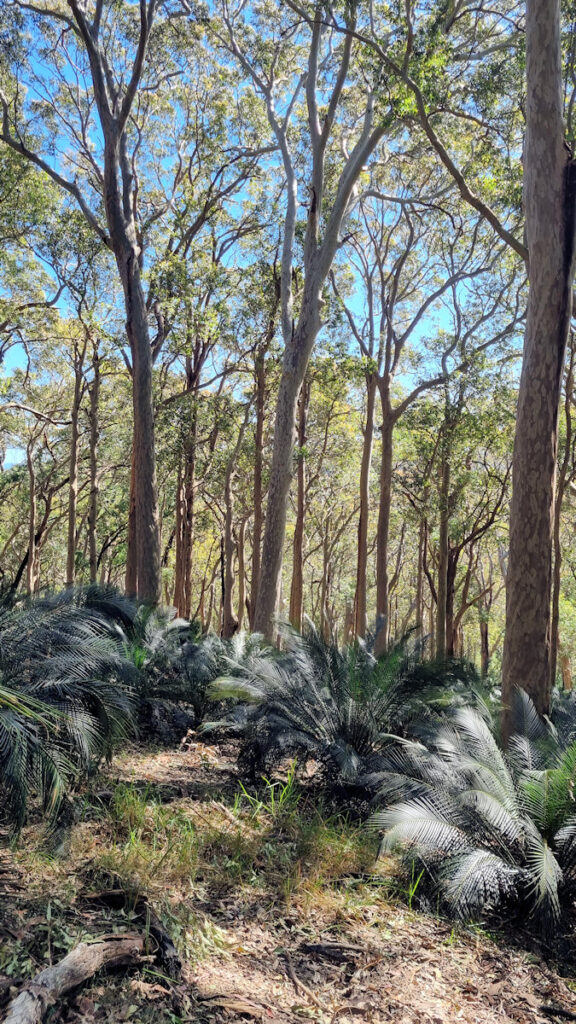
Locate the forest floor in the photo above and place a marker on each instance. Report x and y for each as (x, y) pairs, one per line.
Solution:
(276, 904)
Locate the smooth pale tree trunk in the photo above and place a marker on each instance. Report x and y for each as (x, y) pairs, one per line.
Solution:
(297, 586)
(94, 395)
(549, 187)
(383, 528)
(296, 356)
(361, 612)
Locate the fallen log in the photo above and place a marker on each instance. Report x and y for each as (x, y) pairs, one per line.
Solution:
(39, 994)
(165, 951)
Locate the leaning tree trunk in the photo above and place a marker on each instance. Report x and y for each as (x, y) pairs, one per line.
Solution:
(296, 356)
(549, 189)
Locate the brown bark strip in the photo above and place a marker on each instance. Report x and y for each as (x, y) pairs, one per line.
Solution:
(85, 960)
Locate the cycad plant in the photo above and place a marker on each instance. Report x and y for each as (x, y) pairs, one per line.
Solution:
(176, 663)
(66, 696)
(491, 829)
(315, 700)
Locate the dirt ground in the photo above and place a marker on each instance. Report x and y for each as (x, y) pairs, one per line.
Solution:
(339, 951)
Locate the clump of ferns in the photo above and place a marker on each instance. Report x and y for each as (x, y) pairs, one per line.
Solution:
(316, 701)
(491, 830)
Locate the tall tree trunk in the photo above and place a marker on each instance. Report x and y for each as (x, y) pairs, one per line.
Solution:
(560, 491)
(186, 499)
(451, 632)
(549, 192)
(31, 576)
(79, 354)
(228, 549)
(131, 579)
(296, 356)
(241, 552)
(297, 586)
(145, 493)
(257, 487)
(420, 578)
(229, 620)
(443, 556)
(94, 395)
(383, 529)
(178, 592)
(484, 644)
(361, 614)
(325, 582)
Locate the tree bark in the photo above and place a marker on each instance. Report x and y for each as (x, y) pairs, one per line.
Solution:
(361, 614)
(94, 394)
(185, 522)
(560, 491)
(146, 519)
(549, 187)
(296, 356)
(258, 488)
(79, 354)
(131, 578)
(383, 529)
(229, 620)
(297, 586)
(228, 549)
(32, 565)
(240, 549)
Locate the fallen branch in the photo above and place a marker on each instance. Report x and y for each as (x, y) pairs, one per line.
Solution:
(333, 950)
(558, 1011)
(299, 985)
(46, 988)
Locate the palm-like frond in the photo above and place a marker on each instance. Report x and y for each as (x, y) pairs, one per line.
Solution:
(489, 826)
(66, 695)
(341, 705)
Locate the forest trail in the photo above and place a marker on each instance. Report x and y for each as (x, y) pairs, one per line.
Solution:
(267, 930)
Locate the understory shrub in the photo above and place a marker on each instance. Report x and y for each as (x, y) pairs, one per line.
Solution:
(337, 706)
(66, 696)
(490, 829)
